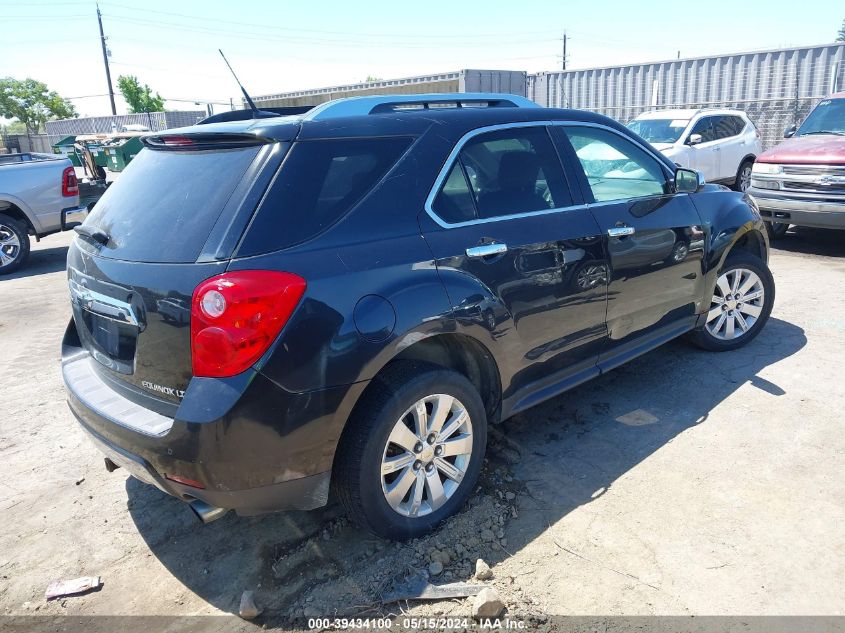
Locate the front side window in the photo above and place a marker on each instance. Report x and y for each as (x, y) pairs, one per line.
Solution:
(704, 127)
(503, 173)
(616, 169)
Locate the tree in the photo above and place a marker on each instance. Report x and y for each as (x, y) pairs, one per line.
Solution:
(140, 98)
(30, 102)
(840, 37)
(370, 79)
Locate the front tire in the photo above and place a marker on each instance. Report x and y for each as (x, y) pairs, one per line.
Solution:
(14, 244)
(412, 451)
(741, 304)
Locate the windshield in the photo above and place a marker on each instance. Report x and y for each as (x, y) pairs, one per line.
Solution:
(827, 117)
(659, 130)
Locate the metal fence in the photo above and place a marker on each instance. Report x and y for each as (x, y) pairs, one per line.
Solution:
(156, 121)
(776, 88)
(21, 143)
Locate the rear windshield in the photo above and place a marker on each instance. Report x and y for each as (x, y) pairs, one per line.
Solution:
(164, 205)
(319, 182)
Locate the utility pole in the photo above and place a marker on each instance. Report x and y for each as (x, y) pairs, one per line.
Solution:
(563, 59)
(106, 60)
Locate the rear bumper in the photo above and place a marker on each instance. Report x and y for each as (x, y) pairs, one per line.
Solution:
(73, 217)
(305, 493)
(253, 446)
(803, 212)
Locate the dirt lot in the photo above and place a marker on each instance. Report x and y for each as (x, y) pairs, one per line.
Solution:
(684, 483)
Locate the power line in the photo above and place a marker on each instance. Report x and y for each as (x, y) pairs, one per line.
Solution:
(194, 19)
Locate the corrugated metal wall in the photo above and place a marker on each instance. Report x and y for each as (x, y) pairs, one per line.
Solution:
(776, 87)
(442, 82)
(156, 121)
(508, 81)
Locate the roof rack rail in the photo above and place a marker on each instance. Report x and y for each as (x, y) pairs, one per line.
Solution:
(358, 106)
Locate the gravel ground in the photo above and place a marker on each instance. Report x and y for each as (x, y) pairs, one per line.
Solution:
(685, 483)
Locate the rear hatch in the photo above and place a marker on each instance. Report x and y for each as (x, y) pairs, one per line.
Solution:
(170, 221)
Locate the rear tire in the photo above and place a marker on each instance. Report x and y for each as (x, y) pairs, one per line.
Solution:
(14, 244)
(743, 175)
(741, 304)
(391, 478)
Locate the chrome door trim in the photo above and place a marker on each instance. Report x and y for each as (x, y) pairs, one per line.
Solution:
(621, 231)
(486, 250)
(453, 155)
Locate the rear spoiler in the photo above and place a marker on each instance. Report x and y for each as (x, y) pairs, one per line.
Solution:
(202, 141)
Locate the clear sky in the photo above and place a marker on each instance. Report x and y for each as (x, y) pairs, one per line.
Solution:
(277, 46)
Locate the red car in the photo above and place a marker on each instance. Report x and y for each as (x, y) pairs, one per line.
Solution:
(802, 180)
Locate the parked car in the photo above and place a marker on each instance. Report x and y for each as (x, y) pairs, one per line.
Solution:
(802, 180)
(372, 283)
(721, 144)
(39, 195)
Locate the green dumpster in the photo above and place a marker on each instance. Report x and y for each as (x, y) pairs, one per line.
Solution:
(94, 144)
(65, 148)
(121, 149)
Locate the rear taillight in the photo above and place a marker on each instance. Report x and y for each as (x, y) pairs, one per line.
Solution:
(70, 185)
(236, 316)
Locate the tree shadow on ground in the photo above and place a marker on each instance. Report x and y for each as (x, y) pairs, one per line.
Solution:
(562, 454)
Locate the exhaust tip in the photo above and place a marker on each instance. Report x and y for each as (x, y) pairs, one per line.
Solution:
(205, 512)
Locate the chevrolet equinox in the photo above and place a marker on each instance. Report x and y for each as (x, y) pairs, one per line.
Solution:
(265, 311)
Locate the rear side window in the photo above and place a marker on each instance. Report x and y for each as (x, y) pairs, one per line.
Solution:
(727, 126)
(503, 173)
(164, 205)
(319, 183)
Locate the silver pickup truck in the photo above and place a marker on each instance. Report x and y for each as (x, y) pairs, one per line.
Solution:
(39, 195)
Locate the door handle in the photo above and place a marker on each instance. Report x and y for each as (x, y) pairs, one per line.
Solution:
(621, 231)
(486, 250)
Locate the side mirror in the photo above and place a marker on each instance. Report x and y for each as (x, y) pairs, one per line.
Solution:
(790, 131)
(688, 181)
(694, 139)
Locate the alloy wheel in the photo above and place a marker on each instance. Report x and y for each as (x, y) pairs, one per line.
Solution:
(737, 303)
(10, 246)
(426, 455)
(745, 178)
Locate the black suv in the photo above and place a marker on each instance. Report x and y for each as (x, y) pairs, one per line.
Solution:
(264, 310)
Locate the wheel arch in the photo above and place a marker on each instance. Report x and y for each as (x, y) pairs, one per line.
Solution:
(16, 212)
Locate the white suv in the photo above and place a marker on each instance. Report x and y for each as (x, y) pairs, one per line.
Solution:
(721, 144)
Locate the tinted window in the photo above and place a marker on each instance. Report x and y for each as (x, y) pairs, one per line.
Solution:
(164, 205)
(726, 126)
(704, 126)
(318, 183)
(616, 168)
(456, 201)
(503, 173)
(738, 124)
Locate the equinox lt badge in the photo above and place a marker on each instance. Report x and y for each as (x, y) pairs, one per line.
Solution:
(168, 391)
